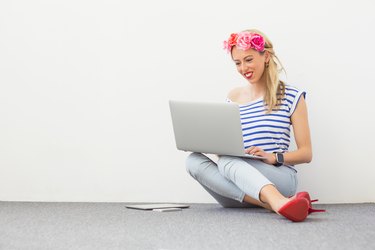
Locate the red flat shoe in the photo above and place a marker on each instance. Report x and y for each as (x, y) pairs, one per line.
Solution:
(295, 210)
(306, 195)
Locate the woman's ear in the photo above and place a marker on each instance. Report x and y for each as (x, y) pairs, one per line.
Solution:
(268, 56)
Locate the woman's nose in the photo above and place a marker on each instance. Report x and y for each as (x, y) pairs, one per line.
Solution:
(243, 68)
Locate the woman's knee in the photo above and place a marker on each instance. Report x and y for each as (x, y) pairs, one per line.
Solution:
(224, 163)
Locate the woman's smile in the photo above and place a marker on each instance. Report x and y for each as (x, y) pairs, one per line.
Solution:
(248, 75)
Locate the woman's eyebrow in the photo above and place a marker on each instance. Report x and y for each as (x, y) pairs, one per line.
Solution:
(246, 57)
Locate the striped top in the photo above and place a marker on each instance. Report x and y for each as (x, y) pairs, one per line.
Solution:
(271, 132)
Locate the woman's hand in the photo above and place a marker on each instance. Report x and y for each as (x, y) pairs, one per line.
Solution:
(254, 150)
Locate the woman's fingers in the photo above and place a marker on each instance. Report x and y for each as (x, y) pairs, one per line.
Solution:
(253, 150)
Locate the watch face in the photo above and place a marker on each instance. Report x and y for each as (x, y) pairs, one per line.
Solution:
(280, 158)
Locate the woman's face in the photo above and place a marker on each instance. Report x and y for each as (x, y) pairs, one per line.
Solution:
(250, 63)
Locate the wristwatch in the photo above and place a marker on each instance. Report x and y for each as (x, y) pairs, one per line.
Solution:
(279, 159)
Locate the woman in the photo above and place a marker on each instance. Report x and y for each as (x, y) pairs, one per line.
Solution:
(267, 107)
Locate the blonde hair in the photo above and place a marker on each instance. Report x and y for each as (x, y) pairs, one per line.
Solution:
(275, 88)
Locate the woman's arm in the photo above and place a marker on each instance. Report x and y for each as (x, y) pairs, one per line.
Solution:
(301, 130)
(300, 123)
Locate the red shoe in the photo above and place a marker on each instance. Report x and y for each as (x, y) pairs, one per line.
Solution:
(295, 210)
(306, 195)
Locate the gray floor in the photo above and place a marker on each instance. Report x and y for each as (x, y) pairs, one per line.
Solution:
(202, 226)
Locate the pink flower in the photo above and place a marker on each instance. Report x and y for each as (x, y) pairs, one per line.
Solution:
(231, 42)
(227, 47)
(257, 42)
(244, 40)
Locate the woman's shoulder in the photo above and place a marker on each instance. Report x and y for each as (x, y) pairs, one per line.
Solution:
(293, 91)
(291, 88)
(234, 94)
(292, 96)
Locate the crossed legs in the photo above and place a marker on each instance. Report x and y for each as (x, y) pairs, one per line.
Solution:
(235, 182)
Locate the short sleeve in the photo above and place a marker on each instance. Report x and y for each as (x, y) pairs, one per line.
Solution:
(293, 95)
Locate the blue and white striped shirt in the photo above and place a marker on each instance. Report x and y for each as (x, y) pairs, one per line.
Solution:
(271, 131)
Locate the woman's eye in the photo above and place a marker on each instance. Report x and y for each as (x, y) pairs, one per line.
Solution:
(249, 60)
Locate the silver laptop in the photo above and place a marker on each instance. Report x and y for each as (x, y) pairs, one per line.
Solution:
(156, 206)
(213, 128)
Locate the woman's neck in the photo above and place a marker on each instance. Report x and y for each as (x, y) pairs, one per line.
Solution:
(256, 90)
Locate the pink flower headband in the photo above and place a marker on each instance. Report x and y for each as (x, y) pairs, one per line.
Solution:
(245, 40)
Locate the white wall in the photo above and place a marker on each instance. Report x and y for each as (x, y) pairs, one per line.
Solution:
(84, 89)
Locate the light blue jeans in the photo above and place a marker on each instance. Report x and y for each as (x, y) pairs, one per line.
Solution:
(232, 177)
